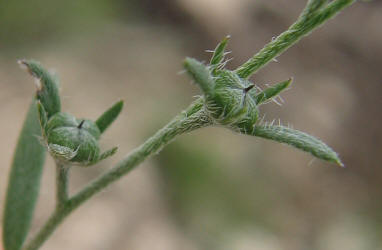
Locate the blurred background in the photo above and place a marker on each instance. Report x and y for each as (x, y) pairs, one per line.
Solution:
(211, 189)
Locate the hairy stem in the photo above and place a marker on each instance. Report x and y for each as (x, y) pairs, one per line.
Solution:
(61, 184)
(311, 7)
(192, 118)
(61, 210)
(313, 16)
(54, 220)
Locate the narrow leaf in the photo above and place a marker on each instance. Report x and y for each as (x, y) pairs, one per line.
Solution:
(24, 182)
(272, 91)
(109, 116)
(218, 55)
(108, 153)
(299, 140)
(47, 86)
(43, 118)
(200, 73)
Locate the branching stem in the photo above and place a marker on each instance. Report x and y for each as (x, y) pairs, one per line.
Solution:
(315, 14)
(187, 121)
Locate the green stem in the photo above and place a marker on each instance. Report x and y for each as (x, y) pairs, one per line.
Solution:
(302, 27)
(192, 118)
(61, 210)
(62, 181)
(54, 220)
(311, 7)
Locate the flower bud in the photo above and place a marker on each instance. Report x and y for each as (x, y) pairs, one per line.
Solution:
(76, 140)
(70, 139)
(232, 101)
(228, 98)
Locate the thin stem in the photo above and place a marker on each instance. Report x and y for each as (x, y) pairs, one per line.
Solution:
(302, 27)
(61, 210)
(312, 7)
(192, 118)
(61, 184)
(54, 220)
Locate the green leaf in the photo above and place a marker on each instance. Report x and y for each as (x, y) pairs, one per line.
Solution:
(47, 86)
(109, 116)
(200, 73)
(272, 91)
(108, 153)
(218, 55)
(43, 118)
(298, 140)
(24, 182)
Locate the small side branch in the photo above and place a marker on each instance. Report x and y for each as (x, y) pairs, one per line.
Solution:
(314, 15)
(187, 121)
(54, 220)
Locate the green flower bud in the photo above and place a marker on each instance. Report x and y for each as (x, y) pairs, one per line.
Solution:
(63, 119)
(230, 100)
(70, 139)
(233, 101)
(76, 140)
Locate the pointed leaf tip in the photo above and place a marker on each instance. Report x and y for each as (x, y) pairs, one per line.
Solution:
(200, 74)
(109, 116)
(108, 153)
(340, 163)
(218, 55)
(272, 91)
(298, 140)
(47, 86)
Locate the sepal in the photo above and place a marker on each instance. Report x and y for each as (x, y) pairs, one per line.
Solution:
(272, 91)
(109, 116)
(298, 140)
(47, 86)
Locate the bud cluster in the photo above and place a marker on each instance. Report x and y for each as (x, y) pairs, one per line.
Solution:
(230, 100)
